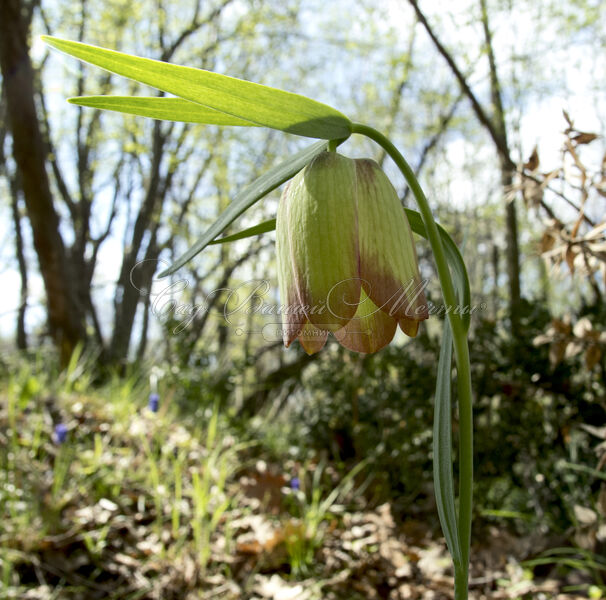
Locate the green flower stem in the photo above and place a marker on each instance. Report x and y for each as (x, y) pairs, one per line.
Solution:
(461, 355)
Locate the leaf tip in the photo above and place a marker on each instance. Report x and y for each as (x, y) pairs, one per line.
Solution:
(166, 272)
(50, 40)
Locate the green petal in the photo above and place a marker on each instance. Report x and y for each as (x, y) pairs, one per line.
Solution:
(388, 258)
(293, 319)
(320, 211)
(295, 325)
(312, 339)
(370, 330)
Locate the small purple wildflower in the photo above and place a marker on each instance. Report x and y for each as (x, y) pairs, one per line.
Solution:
(295, 483)
(154, 402)
(60, 433)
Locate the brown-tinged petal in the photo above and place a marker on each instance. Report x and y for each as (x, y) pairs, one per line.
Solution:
(370, 330)
(409, 327)
(293, 317)
(312, 339)
(320, 208)
(388, 259)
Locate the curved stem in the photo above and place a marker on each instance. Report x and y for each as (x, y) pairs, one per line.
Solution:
(461, 355)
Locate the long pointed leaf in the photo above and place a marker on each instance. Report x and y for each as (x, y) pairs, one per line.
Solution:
(264, 227)
(246, 198)
(261, 104)
(442, 449)
(167, 109)
(454, 258)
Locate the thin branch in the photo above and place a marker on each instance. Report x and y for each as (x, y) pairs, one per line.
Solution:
(548, 210)
(52, 156)
(397, 97)
(433, 141)
(194, 26)
(480, 113)
(495, 85)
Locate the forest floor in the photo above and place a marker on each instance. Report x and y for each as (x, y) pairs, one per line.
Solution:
(127, 501)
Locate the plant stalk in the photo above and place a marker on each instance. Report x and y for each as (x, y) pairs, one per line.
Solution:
(461, 351)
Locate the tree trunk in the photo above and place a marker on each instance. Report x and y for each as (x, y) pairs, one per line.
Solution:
(496, 127)
(495, 274)
(134, 278)
(513, 254)
(511, 220)
(66, 322)
(21, 337)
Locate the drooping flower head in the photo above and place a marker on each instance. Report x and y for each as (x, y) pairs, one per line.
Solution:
(346, 257)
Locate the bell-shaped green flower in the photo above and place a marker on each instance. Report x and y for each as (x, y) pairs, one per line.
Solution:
(346, 257)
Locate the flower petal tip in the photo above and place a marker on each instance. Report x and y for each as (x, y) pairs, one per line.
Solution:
(409, 327)
(312, 340)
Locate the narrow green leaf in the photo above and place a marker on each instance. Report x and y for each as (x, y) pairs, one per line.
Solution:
(454, 258)
(260, 104)
(248, 196)
(167, 109)
(582, 469)
(442, 449)
(264, 227)
(507, 514)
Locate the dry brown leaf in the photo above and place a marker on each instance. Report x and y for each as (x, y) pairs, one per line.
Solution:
(533, 161)
(261, 536)
(562, 325)
(593, 356)
(266, 487)
(557, 350)
(584, 137)
(547, 242)
(570, 256)
(577, 225)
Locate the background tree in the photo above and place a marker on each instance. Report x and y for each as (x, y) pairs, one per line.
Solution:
(494, 123)
(65, 314)
(115, 177)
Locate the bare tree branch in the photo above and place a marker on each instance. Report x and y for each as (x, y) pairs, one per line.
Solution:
(433, 141)
(480, 113)
(397, 97)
